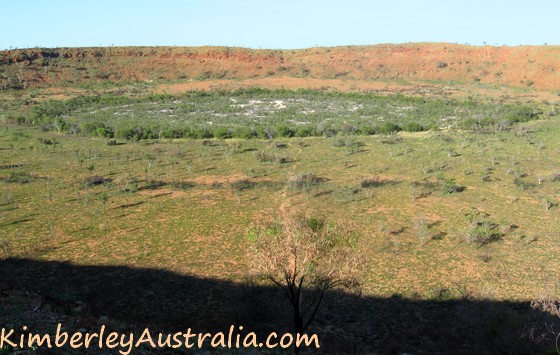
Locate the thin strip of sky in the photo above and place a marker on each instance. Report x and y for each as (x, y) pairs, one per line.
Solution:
(275, 24)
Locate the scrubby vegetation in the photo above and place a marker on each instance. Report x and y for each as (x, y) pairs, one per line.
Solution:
(265, 114)
(455, 201)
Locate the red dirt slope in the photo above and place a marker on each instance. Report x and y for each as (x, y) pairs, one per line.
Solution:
(523, 66)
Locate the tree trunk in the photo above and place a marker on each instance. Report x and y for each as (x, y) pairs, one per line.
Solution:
(298, 325)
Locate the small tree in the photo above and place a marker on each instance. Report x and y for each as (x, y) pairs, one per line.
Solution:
(301, 254)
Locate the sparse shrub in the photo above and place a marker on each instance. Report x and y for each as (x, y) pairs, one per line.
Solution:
(522, 131)
(371, 182)
(96, 180)
(348, 128)
(518, 173)
(388, 127)
(422, 229)
(153, 184)
(452, 153)
(548, 203)
(103, 197)
(350, 143)
(303, 180)
(447, 185)
(264, 156)
(234, 147)
(414, 190)
(522, 184)
(266, 133)
(183, 185)
(480, 230)
(45, 141)
(503, 125)
(128, 185)
(7, 199)
(241, 185)
(391, 139)
(507, 228)
(413, 127)
(485, 176)
(338, 142)
(19, 177)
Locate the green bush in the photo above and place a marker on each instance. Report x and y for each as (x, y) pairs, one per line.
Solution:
(447, 185)
(124, 132)
(104, 132)
(221, 132)
(388, 127)
(367, 130)
(326, 114)
(202, 133)
(284, 131)
(413, 127)
(480, 230)
(306, 131)
(244, 133)
(518, 114)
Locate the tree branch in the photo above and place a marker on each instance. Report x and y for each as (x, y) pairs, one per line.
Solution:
(312, 317)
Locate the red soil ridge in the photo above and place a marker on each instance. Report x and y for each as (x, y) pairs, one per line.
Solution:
(523, 66)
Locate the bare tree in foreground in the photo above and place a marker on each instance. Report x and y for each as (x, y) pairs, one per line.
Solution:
(306, 256)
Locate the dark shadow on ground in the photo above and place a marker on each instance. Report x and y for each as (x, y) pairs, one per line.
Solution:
(135, 298)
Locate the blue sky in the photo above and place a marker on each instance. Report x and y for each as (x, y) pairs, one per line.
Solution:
(275, 24)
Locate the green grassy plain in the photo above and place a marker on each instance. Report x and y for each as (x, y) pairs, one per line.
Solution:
(131, 177)
(456, 202)
(185, 205)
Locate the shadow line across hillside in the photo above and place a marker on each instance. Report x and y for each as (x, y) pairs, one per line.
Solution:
(138, 297)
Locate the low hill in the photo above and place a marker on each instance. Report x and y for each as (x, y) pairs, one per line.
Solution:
(523, 66)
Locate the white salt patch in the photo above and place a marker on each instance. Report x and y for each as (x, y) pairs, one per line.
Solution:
(279, 104)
